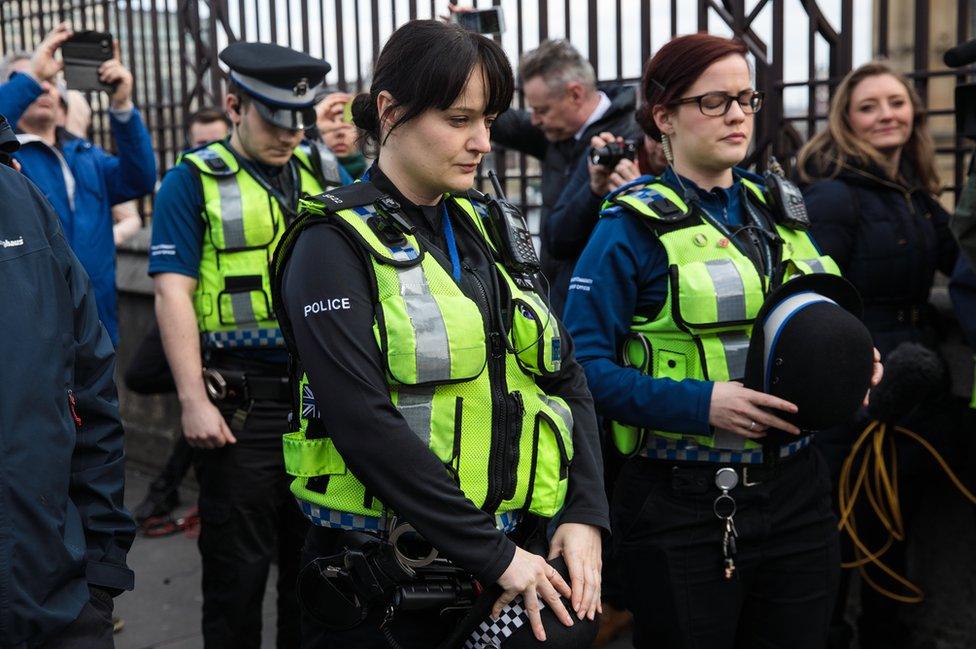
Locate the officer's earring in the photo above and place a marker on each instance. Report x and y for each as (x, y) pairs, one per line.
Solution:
(666, 146)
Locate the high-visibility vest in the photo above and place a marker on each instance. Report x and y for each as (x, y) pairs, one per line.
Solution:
(468, 391)
(702, 331)
(244, 223)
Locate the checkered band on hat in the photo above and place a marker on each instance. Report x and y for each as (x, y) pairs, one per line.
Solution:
(492, 633)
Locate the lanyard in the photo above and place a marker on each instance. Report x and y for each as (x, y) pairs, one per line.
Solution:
(452, 250)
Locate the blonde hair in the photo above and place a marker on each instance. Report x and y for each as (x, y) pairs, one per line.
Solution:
(836, 147)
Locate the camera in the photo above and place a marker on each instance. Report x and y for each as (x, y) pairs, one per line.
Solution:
(608, 156)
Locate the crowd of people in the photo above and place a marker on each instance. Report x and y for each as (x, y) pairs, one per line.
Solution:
(386, 392)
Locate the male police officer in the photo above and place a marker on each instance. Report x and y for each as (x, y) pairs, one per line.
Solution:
(218, 217)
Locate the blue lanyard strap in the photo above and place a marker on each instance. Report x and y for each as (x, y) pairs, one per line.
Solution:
(451, 243)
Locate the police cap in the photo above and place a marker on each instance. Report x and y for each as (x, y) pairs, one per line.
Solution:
(283, 83)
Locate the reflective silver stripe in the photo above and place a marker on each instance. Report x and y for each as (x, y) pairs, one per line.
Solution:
(736, 347)
(433, 352)
(564, 413)
(416, 406)
(725, 439)
(815, 265)
(242, 307)
(231, 212)
(730, 295)
(778, 318)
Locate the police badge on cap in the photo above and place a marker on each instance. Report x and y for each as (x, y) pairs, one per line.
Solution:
(282, 82)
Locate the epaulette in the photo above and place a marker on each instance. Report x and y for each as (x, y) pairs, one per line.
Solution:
(210, 162)
(648, 200)
(387, 229)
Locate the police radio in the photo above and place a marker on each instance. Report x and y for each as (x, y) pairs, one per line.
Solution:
(785, 198)
(510, 233)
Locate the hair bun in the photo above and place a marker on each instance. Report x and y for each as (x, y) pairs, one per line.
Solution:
(364, 113)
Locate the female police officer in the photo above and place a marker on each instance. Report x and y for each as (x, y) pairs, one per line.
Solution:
(439, 387)
(661, 307)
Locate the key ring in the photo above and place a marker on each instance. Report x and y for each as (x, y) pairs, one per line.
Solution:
(722, 497)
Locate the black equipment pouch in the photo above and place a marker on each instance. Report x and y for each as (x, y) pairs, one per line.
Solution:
(786, 200)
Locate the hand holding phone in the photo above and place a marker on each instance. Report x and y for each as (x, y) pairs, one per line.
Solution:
(117, 76)
(44, 65)
(489, 22)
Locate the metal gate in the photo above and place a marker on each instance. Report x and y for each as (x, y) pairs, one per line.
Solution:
(801, 49)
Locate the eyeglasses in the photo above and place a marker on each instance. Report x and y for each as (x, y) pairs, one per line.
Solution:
(716, 104)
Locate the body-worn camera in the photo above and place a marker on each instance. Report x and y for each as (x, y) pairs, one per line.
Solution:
(608, 156)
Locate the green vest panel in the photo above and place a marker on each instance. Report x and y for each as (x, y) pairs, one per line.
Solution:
(714, 294)
(244, 223)
(435, 344)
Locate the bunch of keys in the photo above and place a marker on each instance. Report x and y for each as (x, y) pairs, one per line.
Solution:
(724, 507)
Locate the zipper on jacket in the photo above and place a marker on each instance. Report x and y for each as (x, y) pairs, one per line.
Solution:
(73, 407)
(499, 402)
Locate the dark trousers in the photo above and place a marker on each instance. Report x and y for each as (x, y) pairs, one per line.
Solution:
(92, 629)
(412, 630)
(248, 518)
(669, 543)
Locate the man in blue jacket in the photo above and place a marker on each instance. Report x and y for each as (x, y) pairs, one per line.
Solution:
(64, 532)
(81, 181)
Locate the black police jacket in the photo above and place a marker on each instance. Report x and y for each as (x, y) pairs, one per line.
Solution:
(888, 237)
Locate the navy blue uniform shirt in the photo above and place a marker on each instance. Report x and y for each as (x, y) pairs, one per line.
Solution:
(623, 270)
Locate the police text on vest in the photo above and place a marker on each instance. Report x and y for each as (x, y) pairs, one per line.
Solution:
(331, 304)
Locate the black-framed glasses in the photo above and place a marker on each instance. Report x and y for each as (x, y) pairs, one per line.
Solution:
(716, 104)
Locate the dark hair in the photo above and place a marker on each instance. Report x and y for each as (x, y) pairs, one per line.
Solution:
(676, 67)
(207, 115)
(426, 64)
(243, 98)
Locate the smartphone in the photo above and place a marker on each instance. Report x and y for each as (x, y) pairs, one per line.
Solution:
(483, 21)
(83, 54)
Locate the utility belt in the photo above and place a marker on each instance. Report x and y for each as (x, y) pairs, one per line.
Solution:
(372, 578)
(240, 389)
(363, 579)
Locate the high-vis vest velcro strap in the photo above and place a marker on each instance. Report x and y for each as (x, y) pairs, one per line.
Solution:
(244, 223)
(703, 330)
(434, 342)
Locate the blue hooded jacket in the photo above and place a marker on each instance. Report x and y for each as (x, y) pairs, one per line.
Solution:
(63, 527)
(95, 181)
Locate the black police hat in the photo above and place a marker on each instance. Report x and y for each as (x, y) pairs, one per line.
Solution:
(283, 82)
(810, 348)
(512, 629)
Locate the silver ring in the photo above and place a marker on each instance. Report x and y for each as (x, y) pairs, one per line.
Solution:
(752, 426)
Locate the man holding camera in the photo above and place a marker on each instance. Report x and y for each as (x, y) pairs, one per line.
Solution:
(566, 111)
(219, 216)
(81, 181)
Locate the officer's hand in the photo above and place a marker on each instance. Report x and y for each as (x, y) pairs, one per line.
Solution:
(625, 171)
(742, 411)
(529, 575)
(114, 73)
(581, 547)
(876, 375)
(599, 175)
(204, 426)
(43, 64)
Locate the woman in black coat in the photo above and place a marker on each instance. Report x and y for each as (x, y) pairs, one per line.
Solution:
(870, 189)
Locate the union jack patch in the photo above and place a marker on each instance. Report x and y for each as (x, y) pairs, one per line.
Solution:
(309, 408)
